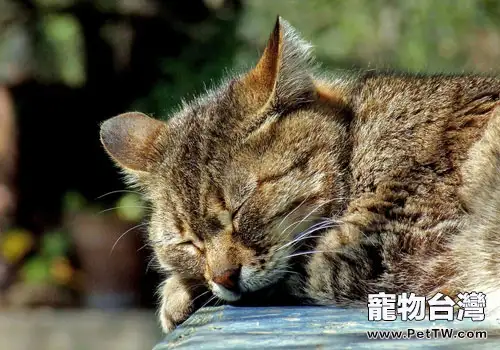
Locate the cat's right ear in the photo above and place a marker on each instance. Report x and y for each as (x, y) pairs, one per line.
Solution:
(282, 77)
(131, 141)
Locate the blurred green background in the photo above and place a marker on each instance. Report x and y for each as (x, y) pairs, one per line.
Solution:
(70, 237)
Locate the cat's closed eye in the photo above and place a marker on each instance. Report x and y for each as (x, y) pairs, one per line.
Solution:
(237, 210)
(188, 243)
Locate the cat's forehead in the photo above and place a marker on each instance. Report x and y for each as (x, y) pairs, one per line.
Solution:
(219, 100)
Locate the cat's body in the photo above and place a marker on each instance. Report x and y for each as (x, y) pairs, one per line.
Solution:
(320, 190)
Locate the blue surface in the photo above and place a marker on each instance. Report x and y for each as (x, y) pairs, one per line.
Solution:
(229, 327)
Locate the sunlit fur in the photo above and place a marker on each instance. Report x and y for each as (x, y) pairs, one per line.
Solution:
(322, 189)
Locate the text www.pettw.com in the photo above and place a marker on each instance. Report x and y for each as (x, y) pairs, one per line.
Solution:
(431, 333)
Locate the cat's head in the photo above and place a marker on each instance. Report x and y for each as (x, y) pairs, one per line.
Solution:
(238, 174)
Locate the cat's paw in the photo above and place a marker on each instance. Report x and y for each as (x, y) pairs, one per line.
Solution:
(176, 303)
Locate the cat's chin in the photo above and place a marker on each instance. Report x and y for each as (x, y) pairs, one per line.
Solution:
(224, 294)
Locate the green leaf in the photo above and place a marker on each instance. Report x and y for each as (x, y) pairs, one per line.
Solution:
(54, 244)
(36, 270)
(130, 207)
(74, 201)
(62, 49)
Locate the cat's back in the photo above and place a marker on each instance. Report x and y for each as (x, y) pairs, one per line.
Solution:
(411, 140)
(411, 135)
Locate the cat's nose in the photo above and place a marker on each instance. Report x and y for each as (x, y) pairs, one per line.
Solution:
(228, 278)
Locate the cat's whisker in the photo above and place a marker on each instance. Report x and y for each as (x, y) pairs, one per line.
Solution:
(283, 233)
(303, 235)
(194, 286)
(304, 238)
(318, 224)
(307, 216)
(199, 296)
(143, 246)
(306, 253)
(151, 261)
(292, 224)
(304, 219)
(150, 244)
(124, 233)
(191, 320)
(124, 206)
(323, 222)
(290, 213)
(209, 301)
(311, 229)
(118, 191)
(156, 241)
(287, 271)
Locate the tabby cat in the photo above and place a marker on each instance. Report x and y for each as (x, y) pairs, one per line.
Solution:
(288, 185)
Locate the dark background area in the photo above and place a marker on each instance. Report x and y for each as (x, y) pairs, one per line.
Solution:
(154, 53)
(58, 124)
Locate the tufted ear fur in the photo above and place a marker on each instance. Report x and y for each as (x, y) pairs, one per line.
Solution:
(131, 140)
(282, 77)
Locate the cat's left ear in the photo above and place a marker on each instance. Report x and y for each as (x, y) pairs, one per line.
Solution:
(282, 77)
(131, 139)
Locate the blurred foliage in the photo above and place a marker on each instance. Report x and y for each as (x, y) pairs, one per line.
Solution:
(50, 264)
(74, 202)
(426, 35)
(45, 261)
(130, 207)
(36, 270)
(15, 244)
(55, 244)
(194, 69)
(61, 43)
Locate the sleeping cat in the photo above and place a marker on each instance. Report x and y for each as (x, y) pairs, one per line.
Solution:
(287, 185)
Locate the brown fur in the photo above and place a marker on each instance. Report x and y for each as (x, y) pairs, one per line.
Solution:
(320, 190)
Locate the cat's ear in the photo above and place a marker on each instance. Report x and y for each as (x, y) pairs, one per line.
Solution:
(131, 140)
(282, 77)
